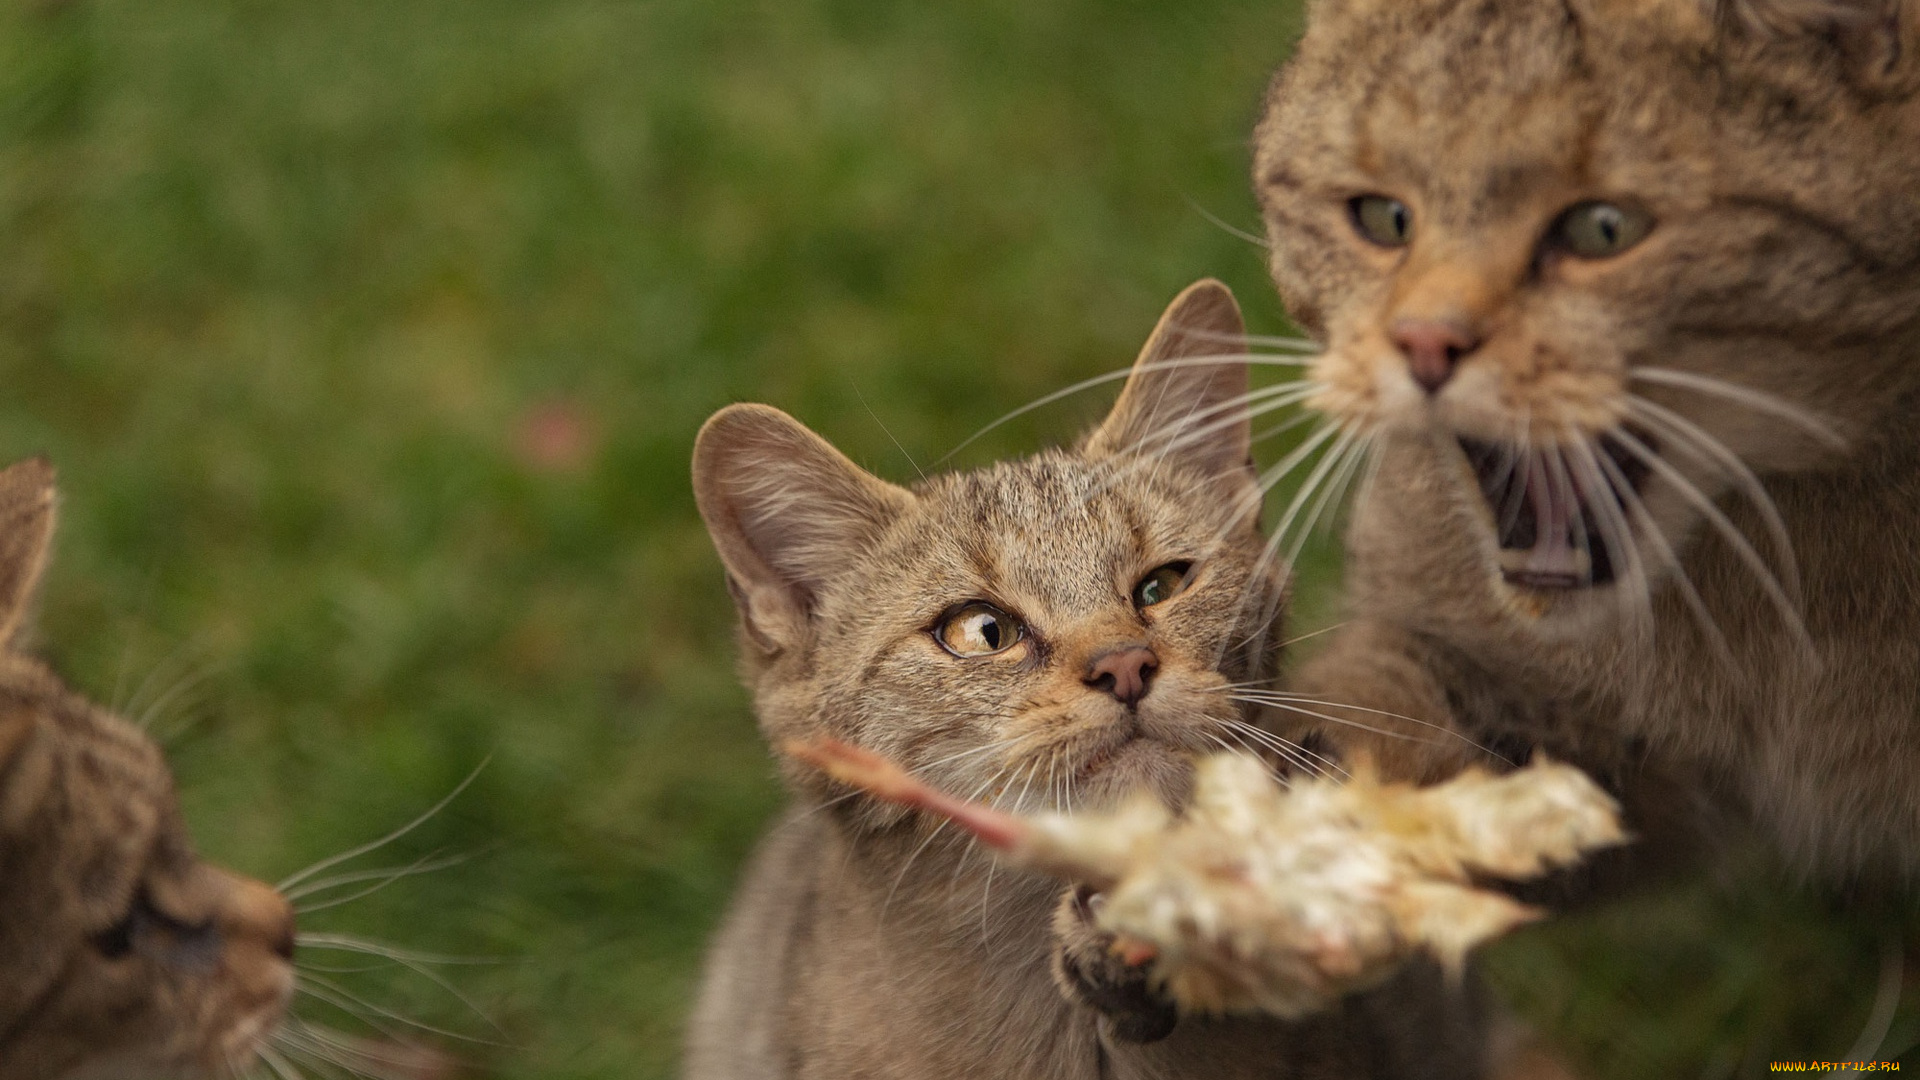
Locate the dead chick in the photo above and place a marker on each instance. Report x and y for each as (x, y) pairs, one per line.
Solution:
(1259, 897)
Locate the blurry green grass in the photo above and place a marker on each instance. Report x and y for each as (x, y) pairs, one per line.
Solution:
(370, 340)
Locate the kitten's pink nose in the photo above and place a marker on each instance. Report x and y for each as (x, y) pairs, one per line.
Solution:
(1433, 348)
(1124, 672)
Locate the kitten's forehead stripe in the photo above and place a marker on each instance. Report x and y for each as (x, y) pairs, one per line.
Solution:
(1013, 526)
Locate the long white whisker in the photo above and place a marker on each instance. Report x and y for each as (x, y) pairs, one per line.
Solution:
(1321, 470)
(1690, 436)
(1560, 482)
(1282, 428)
(932, 835)
(1292, 751)
(350, 943)
(1280, 469)
(322, 983)
(1202, 423)
(1221, 224)
(1266, 481)
(369, 848)
(418, 963)
(1238, 749)
(986, 897)
(342, 1046)
(1400, 736)
(1032, 773)
(304, 964)
(382, 878)
(1289, 701)
(354, 1055)
(1886, 1001)
(1171, 438)
(1297, 344)
(1223, 415)
(1616, 539)
(1331, 492)
(281, 1067)
(1233, 742)
(1716, 639)
(299, 1046)
(136, 702)
(1757, 400)
(310, 988)
(966, 851)
(1107, 377)
(1788, 608)
(187, 685)
(929, 768)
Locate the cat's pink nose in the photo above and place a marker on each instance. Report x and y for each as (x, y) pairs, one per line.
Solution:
(256, 911)
(1433, 348)
(1124, 672)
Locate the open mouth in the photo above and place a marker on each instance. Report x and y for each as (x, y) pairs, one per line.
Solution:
(1561, 522)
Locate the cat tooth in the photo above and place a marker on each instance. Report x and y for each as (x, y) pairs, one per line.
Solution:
(1546, 561)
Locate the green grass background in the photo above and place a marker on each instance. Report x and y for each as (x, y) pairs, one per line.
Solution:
(290, 292)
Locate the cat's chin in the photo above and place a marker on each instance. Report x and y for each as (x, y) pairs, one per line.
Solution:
(1133, 764)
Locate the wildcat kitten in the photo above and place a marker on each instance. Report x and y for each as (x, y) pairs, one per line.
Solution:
(1049, 632)
(123, 956)
(1626, 294)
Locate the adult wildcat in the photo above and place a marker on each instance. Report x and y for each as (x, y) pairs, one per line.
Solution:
(1626, 294)
(1049, 632)
(123, 956)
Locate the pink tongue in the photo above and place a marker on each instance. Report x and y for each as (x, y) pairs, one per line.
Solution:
(1552, 501)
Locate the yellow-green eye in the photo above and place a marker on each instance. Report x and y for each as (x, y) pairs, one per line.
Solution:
(1161, 585)
(1384, 221)
(1598, 230)
(978, 629)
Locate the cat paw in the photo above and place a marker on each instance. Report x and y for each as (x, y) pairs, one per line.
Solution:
(1090, 974)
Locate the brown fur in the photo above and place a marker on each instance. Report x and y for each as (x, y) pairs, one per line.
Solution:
(1776, 144)
(123, 956)
(867, 943)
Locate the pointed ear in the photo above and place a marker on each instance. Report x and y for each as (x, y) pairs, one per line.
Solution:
(26, 532)
(1185, 397)
(786, 512)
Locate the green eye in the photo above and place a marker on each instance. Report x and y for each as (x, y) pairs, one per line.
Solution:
(978, 629)
(1598, 230)
(1161, 585)
(1384, 221)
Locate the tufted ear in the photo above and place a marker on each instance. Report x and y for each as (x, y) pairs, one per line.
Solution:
(786, 512)
(26, 532)
(1186, 397)
(1879, 39)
